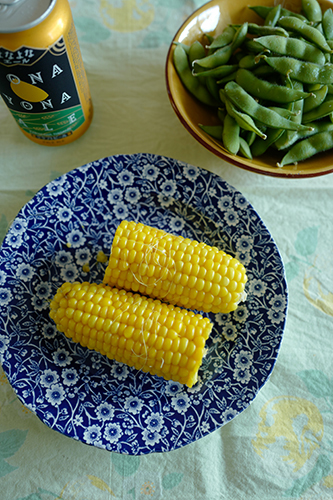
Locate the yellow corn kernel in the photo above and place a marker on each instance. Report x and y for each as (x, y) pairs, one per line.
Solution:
(174, 269)
(143, 333)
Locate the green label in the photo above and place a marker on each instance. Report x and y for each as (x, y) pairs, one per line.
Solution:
(50, 126)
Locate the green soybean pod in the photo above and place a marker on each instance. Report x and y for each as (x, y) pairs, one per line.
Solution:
(263, 11)
(263, 89)
(260, 146)
(250, 138)
(222, 56)
(218, 72)
(312, 10)
(327, 24)
(316, 127)
(184, 46)
(292, 47)
(221, 114)
(306, 31)
(247, 104)
(214, 131)
(196, 51)
(190, 82)
(244, 148)
(258, 29)
(298, 107)
(301, 70)
(251, 46)
(240, 36)
(218, 58)
(244, 121)
(324, 109)
(273, 16)
(212, 88)
(316, 98)
(251, 61)
(264, 71)
(285, 112)
(230, 135)
(227, 78)
(225, 38)
(307, 148)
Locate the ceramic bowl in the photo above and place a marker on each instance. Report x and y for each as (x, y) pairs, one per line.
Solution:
(211, 18)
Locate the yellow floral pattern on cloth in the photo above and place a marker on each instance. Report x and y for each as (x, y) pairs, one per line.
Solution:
(316, 292)
(127, 15)
(86, 487)
(289, 439)
(279, 422)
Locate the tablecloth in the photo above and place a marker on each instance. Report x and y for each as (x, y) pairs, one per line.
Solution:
(281, 446)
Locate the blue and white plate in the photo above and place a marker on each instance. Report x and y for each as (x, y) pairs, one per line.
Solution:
(57, 237)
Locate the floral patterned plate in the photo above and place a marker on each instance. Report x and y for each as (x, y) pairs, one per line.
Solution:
(58, 236)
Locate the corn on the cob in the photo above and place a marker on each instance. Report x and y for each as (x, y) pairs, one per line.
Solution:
(142, 332)
(177, 270)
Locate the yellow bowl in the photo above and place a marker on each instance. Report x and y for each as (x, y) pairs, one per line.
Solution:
(211, 18)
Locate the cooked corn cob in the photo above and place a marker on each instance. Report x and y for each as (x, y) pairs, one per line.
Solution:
(142, 332)
(177, 270)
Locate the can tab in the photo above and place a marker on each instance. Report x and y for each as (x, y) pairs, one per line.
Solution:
(9, 2)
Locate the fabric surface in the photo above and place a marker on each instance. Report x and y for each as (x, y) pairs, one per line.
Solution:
(281, 446)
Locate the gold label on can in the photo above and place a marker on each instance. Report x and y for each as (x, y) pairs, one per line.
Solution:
(39, 89)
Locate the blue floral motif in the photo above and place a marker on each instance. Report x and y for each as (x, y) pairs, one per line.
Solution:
(58, 235)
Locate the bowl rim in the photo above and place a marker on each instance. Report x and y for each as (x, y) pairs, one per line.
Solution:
(232, 160)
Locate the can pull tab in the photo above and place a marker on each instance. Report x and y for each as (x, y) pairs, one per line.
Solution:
(9, 2)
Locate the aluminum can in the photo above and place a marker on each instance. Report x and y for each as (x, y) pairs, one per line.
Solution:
(42, 78)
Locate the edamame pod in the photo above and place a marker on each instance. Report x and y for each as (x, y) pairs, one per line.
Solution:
(217, 58)
(214, 131)
(225, 38)
(219, 72)
(285, 112)
(292, 47)
(185, 47)
(324, 109)
(312, 10)
(257, 29)
(228, 78)
(308, 147)
(246, 103)
(306, 31)
(244, 121)
(244, 148)
(297, 107)
(260, 145)
(316, 98)
(252, 46)
(192, 83)
(264, 71)
(327, 23)
(263, 12)
(222, 56)
(196, 51)
(212, 88)
(317, 127)
(301, 71)
(251, 61)
(273, 16)
(230, 135)
(266, 90)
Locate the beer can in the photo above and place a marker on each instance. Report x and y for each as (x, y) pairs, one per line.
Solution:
(42, 78)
